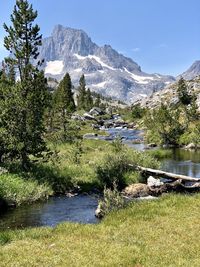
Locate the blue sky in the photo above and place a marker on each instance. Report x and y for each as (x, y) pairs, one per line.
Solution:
(162, 36)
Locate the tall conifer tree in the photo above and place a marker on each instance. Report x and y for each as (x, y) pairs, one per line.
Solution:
(64, 101)
(28, 96)
(184, 97)
(88, 100)
(82, 93)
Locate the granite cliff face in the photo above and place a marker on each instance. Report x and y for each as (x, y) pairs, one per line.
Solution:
(106, 71)
(192, 72)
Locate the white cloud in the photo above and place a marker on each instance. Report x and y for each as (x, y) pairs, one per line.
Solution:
(136, 49)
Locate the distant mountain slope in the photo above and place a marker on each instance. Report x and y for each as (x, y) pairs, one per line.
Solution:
(107, 71)
(192, 72)
(169, 95)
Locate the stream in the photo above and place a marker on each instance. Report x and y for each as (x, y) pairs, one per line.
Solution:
(81, 208)
(57, 209)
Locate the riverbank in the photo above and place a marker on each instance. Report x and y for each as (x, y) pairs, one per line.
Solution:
(144, 234)
(70, 168)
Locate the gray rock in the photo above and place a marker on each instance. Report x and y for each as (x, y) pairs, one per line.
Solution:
(191, 146)
(77, 117)
(99, 212)
(136, 190)
(152, 182)
(87, 116)
(96, 111)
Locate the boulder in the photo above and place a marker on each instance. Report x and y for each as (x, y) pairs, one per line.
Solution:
(191, 146)
(136, 190)
(98, 212)
(152, 182)
(131, 125)
(77, 117)
(87, 116)
(95, 127)
(96, 111)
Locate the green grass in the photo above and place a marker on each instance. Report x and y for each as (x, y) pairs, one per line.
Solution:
(17, 190)
(163, 232)
(65, 171)
(160, 153)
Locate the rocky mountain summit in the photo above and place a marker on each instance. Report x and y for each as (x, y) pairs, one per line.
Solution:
(106, 71)
(192, 72)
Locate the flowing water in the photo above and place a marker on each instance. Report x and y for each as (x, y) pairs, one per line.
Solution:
(81, 208)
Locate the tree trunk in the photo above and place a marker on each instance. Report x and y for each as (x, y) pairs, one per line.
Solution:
(164, 174)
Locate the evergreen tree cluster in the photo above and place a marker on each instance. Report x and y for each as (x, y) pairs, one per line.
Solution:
(85, 99)
(28, 110)
(23, 103)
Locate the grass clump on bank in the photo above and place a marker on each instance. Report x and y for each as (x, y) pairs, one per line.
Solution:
(148, 234)
(14, 189)
(160, 153)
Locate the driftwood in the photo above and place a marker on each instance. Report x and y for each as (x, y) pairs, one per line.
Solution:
(168, 175)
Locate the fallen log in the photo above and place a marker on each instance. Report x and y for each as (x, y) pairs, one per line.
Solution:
(164, 174)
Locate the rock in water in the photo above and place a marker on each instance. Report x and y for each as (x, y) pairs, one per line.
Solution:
(98, 212)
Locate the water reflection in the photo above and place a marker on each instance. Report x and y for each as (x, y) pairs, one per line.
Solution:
(57, 209)
(186, 162)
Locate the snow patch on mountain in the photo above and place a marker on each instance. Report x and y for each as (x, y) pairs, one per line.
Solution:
(54, 67)
(97, 59)
(140, 79)
(102, 84)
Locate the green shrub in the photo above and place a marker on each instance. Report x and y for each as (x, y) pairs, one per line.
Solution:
(4, 238)
(56, 177)
(76, 152)
(119, 167)
(192, 135)
(113, 169)
(117, 144)
(112, 200)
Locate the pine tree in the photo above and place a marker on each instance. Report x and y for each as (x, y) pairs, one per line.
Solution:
(65, 102)
(184, 97)
(97, 102)
(24, 121)
(82, 94)
(88, 100)
(192, 111)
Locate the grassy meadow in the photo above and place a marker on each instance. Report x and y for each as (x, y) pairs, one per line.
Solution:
(163, 232)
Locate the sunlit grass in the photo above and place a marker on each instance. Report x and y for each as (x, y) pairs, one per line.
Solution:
(164, 232)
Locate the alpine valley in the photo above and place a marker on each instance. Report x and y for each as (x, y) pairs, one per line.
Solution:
(106, 71)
